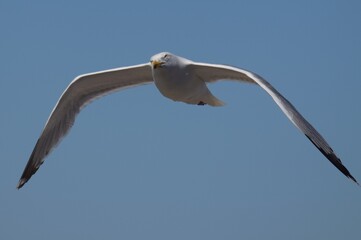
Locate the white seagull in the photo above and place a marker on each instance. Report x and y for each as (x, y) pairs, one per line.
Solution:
(176, 78)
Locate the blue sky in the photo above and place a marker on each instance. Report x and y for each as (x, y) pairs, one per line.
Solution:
(137, 165)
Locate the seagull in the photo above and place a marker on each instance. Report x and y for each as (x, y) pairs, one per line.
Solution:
(176, 78)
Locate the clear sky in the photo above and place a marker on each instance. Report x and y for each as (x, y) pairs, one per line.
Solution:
(139, 166)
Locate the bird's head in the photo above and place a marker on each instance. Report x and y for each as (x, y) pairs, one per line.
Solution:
(163, 59)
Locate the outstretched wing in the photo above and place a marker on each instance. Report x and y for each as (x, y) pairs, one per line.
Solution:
(214, 72)
(77, 95)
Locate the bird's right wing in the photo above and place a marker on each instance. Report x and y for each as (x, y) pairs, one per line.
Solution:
(80, 92)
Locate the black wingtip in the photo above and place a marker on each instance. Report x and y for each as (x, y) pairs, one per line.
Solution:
(27, 174)
(338, 164)
(30, 168)
(21, 183)
(331, 156)
(353, 179)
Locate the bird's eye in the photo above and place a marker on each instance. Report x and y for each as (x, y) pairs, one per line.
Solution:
(166, 56)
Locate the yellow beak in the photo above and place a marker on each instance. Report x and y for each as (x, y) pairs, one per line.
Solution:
(156, 64)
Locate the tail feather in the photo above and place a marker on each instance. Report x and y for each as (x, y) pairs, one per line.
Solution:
(213, 101)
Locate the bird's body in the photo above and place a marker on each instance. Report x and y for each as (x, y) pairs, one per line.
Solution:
(179, 83)
(176, 78)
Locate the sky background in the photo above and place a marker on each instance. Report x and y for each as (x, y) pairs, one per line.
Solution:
(139, 166)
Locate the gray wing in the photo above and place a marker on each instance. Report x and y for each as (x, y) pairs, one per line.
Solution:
(80, 92)
(214, 72)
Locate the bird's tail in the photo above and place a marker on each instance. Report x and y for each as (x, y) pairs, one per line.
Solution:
(213, 101)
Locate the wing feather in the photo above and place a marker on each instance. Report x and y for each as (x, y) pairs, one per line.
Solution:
(81, 91)
(214, 72)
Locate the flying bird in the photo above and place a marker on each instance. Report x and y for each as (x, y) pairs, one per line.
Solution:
(176, 78)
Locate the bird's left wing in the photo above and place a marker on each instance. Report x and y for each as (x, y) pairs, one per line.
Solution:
(214, 72)
(80, 92)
